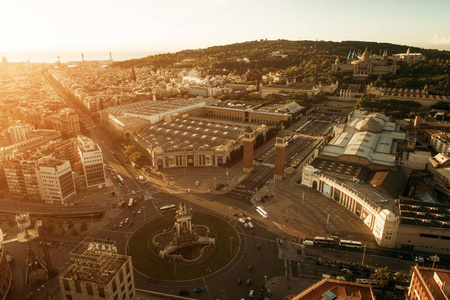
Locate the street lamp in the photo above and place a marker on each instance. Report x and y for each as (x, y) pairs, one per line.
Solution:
(364, 254)
(231, 246)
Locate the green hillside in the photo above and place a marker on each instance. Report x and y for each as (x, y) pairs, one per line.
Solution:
(307, 61)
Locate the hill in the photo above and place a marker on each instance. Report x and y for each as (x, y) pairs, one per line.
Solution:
(306, 61)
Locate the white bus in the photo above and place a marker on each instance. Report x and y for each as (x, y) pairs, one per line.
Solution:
(130, 202)
(323, 240)
(350, 244)
(262, 212)
(167, 207)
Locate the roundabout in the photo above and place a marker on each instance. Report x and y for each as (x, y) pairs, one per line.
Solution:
(186, 245)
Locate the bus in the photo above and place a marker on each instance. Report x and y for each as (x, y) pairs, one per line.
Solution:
(323, 240)
(130, 202)
(120, 178)
(167, 207)
(262, 212)
(350, 244)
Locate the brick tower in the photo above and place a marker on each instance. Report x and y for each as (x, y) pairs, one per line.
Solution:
(249, 142)
(280, 156)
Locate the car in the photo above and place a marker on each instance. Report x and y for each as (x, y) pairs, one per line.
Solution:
(133, 192)
(249, 218)
(248, 282)
(239, 281)
(242, 220)
(246, 225)
(198, 290)
(258, 246)
(419, 259)
(126, 221)
(434, 258)
(131, 224)
(250, 268)
(250, 225)
(251, 293)
(139, 211)
(120, 224)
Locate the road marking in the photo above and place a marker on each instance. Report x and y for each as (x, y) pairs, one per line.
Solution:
(204, 281)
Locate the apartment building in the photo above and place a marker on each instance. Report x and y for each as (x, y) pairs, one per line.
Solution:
(92, 160)
(20, 132)
(55, 180)
(66, 121)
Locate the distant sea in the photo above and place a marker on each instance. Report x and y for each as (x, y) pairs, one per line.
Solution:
(65, 56)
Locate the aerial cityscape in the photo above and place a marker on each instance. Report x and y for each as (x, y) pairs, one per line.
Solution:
(288, 150)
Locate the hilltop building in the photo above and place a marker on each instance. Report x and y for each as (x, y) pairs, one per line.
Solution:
(365, 65)
(408, 56)
(91, 157)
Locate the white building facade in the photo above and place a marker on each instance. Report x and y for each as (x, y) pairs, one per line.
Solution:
(381, 221)
(55, 180)
(91, 157)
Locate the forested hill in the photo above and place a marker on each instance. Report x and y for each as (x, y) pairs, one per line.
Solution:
(297, 52)
(306, 61)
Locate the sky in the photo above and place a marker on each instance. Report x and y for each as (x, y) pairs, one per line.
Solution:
(174, 25)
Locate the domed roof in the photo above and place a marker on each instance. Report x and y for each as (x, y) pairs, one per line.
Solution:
(365, 56)
(369, 124)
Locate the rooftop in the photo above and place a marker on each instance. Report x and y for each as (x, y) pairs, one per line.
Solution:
(415, 212)
(335, 289)
(94, 260)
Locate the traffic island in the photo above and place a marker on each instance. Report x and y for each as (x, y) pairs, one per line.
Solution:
(206, 243)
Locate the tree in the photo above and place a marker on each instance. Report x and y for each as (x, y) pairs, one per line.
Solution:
(129, 150)
(349, 276)
(83, 226)
(403, 276)
(74, 232)
(135, 157)
(383, 277)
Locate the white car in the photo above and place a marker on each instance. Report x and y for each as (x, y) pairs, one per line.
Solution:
(251, 293)
(419, 259)
(250, 224)
(249, 219)
(246, 225)
(133, 192)
(126, 221)
(139, 211)
(242, 220)
(120, 224)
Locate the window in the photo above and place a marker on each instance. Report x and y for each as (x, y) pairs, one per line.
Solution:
(77, 287)
(66, 285)
(90, 292)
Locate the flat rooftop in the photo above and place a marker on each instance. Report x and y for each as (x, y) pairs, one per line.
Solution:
(192, 134)
(352, 177)
(425, 214)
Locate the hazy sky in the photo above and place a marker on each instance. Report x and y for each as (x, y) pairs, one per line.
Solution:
(171, 25)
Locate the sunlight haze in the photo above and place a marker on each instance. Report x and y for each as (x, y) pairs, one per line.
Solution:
(138, 25)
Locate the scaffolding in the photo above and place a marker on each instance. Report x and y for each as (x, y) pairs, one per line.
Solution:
(96, 260)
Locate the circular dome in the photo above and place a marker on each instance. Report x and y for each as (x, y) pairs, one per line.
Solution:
(365, 56)
(369, 124)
